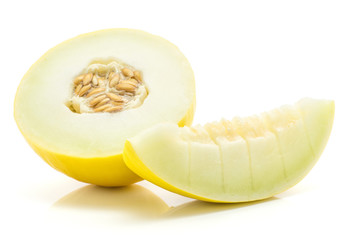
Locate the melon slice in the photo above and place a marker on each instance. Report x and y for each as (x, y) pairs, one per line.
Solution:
(241, 160)
(81, 100)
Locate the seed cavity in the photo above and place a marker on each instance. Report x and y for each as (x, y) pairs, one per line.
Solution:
(103, 102)
(108, 88)
(137, 76)
(114, 97)
(127, 72)
(78, 88)
(114, 79)
(78, 79)
(84, 90)
(124, 86)
(95, 91)
(102, 108)
(95, 81)
(97, 100)
(87, 79)
(113, 109)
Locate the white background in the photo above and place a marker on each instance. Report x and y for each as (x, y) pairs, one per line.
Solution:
(248, 56)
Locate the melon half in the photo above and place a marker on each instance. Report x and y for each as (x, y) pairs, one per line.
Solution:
(241, 160)
(82, 99)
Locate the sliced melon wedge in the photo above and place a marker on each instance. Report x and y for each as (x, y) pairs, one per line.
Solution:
(241, 160)
(81, 100)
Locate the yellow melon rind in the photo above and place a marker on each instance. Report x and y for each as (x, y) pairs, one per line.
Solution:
(136, 165)
(104, 171)
(107, 171)
(317, 116)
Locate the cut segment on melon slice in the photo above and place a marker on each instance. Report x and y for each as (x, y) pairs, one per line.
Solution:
(81, 100)
(241, 160)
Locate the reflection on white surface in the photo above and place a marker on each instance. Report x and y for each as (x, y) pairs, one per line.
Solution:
(199, 207)
(135, 201)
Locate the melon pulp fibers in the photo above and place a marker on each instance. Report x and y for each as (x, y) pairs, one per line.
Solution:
(241, 160)
(57, 115)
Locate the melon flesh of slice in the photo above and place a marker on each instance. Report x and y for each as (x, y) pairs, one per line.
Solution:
(62, 127)
(241, 160)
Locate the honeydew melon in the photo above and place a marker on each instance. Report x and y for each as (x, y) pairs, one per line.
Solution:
(245, 159)
(80, 101)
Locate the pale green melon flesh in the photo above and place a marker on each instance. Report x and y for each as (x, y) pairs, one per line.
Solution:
(240, 160)
(43, 117)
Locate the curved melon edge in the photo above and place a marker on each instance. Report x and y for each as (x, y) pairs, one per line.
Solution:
(109, 171)
(185, 121)
(71, 165)
(137, 166)
(133, 162)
